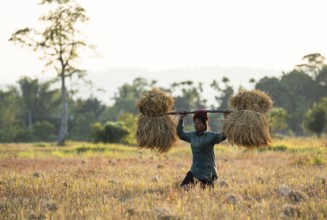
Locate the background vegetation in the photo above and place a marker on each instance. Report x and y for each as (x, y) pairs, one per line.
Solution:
(30, 111)
(38, 111)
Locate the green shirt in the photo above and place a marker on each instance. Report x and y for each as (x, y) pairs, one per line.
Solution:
(202, 144)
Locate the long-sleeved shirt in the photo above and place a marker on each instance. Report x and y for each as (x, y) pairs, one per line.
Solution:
(202, 145)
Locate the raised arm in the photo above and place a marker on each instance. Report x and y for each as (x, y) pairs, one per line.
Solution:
(185, 136)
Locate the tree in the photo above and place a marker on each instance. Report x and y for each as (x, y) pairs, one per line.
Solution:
(39, 102)
(295, 92)
(322, 79)
(85, 113)
(29, 89)
(222, 98)
(277, 119)
(315, 119)
(9, 107)
(190, 97)
(130, 121)
(278, 91)
(313, 63)
(126, 98)
(60, 42)
(301, 93)
(224, 93)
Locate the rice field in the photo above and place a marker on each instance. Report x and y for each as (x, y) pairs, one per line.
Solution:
(286, 180)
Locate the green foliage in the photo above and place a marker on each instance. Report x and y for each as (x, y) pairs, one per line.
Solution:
(313, 63)
(190, 97)
(10, 128)
(39, 102)
(9, 106)
(84, 149)
(43, 131)
(110, 132)
(295, 92)
(322, 79)
(130, 122)
(277, 90)
(127, 97)
(277, 119)
(279, 148)
(315, 119)
(224, 93)
(81, 126)
(222, 98)
(97, 132)
(85, 112)
(14, 133)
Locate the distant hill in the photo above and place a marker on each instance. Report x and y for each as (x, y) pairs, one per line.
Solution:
(113, 78)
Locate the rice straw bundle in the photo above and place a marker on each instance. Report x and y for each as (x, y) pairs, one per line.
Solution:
(247, 128)
(254, 100)
(155, 103)
(248, 125)
(156, 133)
(155, 129)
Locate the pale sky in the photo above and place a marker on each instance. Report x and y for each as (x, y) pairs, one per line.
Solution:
(167, 34)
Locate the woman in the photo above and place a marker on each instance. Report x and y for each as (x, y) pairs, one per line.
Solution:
(202, 144)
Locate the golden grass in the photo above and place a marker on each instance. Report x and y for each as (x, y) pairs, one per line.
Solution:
(139, 184)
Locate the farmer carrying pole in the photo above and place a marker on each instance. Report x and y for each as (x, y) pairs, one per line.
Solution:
(202, 144)
(247, 126)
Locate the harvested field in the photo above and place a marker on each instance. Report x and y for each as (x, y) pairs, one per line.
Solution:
(87, 181)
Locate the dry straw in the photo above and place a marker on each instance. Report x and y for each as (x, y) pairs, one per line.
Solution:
(254, 100)
(248, 125)
(155, 129)
(156, 133)
(247, 128)
(155, 103)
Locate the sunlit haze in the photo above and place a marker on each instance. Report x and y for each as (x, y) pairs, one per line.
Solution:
(263, 38)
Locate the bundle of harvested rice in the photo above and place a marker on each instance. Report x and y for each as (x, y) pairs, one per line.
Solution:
(155, 129)
(155, 103)
(156, 133)
(254, 100)
(247, 128)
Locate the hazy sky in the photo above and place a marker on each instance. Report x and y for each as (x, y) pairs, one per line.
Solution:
(169, 34)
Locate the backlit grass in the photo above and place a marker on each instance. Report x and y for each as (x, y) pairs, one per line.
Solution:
(97, 181)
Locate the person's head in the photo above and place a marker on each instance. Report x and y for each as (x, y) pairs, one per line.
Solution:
(200, 119)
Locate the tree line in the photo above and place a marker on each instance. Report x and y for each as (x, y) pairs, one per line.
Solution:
(30, 110)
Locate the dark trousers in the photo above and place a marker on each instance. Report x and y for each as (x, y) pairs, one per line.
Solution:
(190, 180)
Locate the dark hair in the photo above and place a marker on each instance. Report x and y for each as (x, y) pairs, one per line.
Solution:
(202, 116)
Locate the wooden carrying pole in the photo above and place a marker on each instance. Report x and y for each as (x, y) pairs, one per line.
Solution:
(192, 112)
